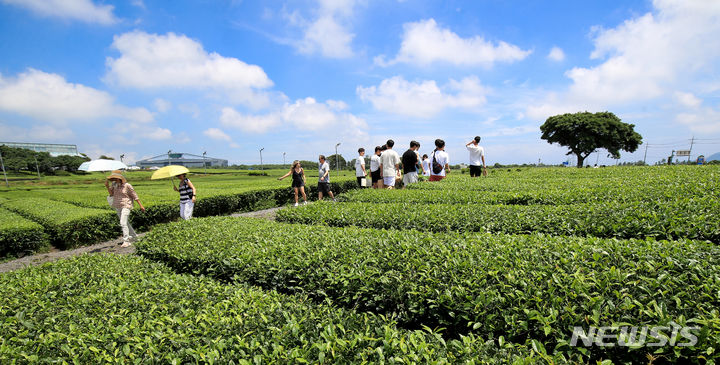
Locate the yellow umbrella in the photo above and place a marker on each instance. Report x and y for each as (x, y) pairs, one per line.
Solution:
(169, 171)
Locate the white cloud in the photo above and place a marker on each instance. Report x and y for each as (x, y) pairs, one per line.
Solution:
(190, 109)
(156, 133)
(647, 59)
(82, 10)
(151, 61)
(705, 120)
(304, 114)
(217, 134)
(162, 105)
(248, 123)
(424, 43)
(513, 131)
(651, 55)
(328, 33)
(45, 133)
(328, 38)
(50, 98)
(425, 98)
(687, 99)
(556, 54)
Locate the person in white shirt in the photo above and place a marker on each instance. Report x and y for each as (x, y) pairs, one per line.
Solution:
(375, 167)
(390, 165)
(477, 158)
(324, 179)
(426, 165)
(440, 157)
(360, 171)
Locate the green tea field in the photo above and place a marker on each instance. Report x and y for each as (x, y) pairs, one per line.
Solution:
(617, 265)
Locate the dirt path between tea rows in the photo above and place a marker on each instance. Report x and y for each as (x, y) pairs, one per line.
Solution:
(112, 246)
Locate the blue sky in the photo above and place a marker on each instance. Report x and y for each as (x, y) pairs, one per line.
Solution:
(140, 77)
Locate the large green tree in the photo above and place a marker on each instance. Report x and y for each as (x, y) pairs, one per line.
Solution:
(585, 132)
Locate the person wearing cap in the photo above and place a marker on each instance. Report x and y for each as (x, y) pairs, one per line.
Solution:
(477, 158)
(123, 195)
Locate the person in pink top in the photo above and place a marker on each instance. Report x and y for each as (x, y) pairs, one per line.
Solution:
(123, 196)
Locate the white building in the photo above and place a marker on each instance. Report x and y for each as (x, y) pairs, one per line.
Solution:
(183, 159)
(54, 149)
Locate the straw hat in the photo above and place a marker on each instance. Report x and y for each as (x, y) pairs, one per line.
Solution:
(117, 175)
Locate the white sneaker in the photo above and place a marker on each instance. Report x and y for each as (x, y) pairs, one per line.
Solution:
(296, 204)
(126, 244)
(305, 202)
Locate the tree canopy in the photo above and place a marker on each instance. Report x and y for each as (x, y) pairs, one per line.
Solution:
(18, 159)
(583, 133)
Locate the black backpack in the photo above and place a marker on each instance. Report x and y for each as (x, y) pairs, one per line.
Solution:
(436, 167)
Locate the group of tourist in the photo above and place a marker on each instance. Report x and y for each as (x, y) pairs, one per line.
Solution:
(122, 196)
(385, 167)
(385, 164)
(384, 173)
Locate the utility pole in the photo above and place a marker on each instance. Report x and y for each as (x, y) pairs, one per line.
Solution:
(204, 162)
(645, 157)
(3, 168)
(261, 164)
(692, 141)
(283, 159)
(37, 168)
(337, 159)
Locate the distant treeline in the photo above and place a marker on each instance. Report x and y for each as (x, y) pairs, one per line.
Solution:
(19, 159)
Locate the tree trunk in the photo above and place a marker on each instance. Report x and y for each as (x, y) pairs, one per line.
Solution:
(580, 159)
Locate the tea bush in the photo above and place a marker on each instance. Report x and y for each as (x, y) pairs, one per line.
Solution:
(111, 309)
(526, 289)
(67, 225)
(683, 218)
(20, 236)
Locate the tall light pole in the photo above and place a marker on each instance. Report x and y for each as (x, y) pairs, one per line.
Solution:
(121, 157)
(283, 159)
(261, 164)
(337, 159)
(37, 168)
(204, 163)
(169, 160)
(3, 168)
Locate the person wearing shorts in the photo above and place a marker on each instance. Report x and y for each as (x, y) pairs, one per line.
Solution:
(375, 167)
(441, 157)
(410, 161)
(390, 165)
(324, 179)
(298, 181)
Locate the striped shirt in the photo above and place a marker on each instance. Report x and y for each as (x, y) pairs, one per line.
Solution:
(186, 191)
